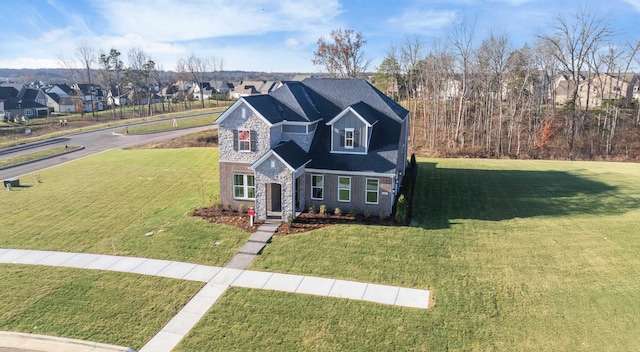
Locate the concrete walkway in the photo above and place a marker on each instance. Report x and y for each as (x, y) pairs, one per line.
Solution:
(218, 280)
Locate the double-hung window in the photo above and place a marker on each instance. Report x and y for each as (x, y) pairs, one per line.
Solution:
(349, 137)
(244, 140)
(371, 196)
(244, 186)
(317, 186)
(344, 189)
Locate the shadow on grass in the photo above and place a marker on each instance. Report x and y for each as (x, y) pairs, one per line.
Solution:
(445, 194)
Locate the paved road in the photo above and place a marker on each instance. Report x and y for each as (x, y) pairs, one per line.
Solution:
(94, 142)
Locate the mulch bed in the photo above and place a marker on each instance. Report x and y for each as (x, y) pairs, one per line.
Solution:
(303, 223)
(216, 215)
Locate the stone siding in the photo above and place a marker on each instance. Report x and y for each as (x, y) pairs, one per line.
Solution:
(279, 174)
(250, 122)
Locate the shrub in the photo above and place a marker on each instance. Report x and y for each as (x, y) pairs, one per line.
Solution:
(352, 212)
(312, 210)
(242, 208)
(367, 213)
(401, 210)
(337, 212)
(323, 209)
(412, 163)
(289, 220)
(383, 215)
(227, 206)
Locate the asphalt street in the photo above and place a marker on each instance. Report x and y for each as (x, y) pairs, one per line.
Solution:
(93, 142)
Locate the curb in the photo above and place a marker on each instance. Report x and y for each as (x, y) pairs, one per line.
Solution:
(40, 159)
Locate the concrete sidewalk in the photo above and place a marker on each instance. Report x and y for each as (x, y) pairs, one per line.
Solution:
(217, 281)
(21, 342)
(400, 296)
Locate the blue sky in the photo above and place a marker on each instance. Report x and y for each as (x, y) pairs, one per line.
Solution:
(266, 35)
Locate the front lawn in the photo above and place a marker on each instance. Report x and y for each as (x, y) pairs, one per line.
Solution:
(107, 307)
(519, 255)
(107, 204)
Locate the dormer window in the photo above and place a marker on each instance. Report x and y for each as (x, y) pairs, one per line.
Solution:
(349, 138)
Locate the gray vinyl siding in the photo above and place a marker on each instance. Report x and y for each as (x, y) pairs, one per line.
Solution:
(349, 121)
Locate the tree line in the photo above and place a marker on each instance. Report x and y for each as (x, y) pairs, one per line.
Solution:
(493, 100)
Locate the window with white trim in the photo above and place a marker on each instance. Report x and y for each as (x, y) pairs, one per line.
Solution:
(372, 191)
(244, 186)
(349, 135)
(344, 189)
(317, 187)
(244, 140)
(28, 112)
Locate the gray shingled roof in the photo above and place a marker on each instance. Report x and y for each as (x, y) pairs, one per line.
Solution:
(292, 154)
(8, 93)
(344, 92)
(272, 109)
(323, 98)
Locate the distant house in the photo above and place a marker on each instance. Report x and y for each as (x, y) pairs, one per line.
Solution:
(607, 87)
(27, 102)
(93, 97)
(116, 96)
(202, 91)
(340, 143)
(60, 104)
(221, 87)
(247, 88)
(62, 98)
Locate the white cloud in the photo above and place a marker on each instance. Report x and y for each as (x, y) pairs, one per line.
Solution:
(27, 62)
(413, 20)
(291, 43)
(634, 3)
(177, 20)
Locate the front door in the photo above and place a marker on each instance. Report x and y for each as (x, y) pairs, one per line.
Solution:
(274, 197)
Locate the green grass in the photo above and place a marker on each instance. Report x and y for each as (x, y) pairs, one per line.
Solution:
(167, 125)
(37, 155)
(106, 307)
(519, 255)
(256, 320)
(107, 203)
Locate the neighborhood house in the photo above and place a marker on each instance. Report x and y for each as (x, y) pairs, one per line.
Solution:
(340, 143)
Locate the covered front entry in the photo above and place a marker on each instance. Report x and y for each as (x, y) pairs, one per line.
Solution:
(274, 199)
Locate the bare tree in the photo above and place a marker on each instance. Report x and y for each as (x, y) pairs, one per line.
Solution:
(217, 66)
(87, 56)
(111, 68)
(342, 54)
(139, 74)
(461, 38)
(494, 52)
(573, 41)
(69, 65)
(388, 73)
(197, 68)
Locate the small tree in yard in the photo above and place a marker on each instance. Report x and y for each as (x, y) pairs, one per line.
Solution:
(402, 209)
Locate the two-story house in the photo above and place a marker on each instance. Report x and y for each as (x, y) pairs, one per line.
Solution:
(335, 142)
